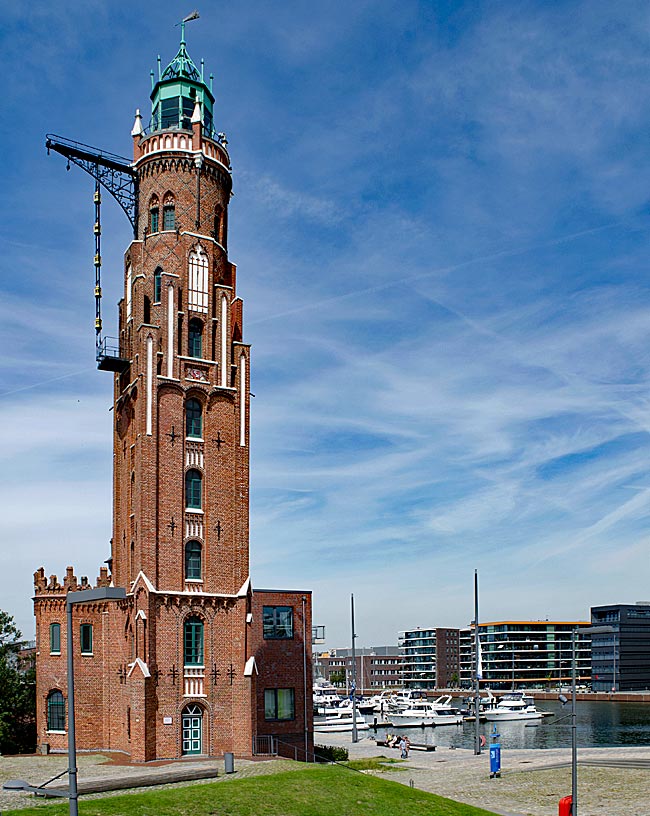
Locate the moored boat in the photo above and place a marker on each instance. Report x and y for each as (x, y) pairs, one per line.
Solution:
(424, 714)
(342, 721)
(515, 706)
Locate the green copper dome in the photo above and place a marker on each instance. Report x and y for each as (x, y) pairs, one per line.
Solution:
(174, 95)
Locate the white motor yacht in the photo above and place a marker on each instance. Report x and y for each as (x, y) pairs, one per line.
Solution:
(423, 714)
(513, 707)
(342, 721)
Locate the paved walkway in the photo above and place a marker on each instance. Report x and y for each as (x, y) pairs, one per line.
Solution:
(611, 781)
(98, 768)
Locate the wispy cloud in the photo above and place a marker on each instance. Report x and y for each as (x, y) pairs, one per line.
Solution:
(439, 225)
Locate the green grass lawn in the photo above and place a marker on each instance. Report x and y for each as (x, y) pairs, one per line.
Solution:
(308, 791)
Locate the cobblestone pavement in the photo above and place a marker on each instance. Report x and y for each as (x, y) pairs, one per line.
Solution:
(38, 769)
(531, 784)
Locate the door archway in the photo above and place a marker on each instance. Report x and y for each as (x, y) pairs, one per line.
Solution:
(192, 725)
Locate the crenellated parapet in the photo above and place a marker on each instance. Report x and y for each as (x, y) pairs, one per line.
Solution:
(52, 587)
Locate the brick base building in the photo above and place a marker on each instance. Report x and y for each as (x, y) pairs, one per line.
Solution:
(194, 660)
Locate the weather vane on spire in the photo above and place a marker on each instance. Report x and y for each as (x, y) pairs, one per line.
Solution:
(193, 16)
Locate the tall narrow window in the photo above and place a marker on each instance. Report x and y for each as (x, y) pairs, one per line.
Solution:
(195, 338)
(197, 296)
(193, 490)
(193, 419)
(55, 711)
(193, 560)
(86, 638)
(218, 224)
(154, 214)
(157, 285)
(193, 642)
(55, 638)
(169, 212)
(129, 291)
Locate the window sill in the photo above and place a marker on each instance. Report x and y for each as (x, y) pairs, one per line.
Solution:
(55, 654)
(194, 580)
(194, 439)
(194, 666)
(56, 732)
(87, 654)
(194, 510)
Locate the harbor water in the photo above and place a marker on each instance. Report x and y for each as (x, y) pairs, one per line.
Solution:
(598, 724)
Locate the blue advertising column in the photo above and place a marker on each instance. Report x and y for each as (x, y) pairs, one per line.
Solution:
(495, 755)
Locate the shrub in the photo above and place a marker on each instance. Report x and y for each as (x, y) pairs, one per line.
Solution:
(330, 753)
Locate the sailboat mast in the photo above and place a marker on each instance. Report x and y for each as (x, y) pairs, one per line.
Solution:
(477, 659)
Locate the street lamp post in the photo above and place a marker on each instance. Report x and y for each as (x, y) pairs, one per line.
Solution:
(80, 596)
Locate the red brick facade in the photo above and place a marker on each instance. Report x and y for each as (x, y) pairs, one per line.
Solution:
(181, 476)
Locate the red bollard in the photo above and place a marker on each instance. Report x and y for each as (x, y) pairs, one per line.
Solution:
(565, 806)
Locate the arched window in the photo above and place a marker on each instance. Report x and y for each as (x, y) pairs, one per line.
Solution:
(193, 419)
(154, 214)
(193, 489)
(55, 711)
(169, 213)
(193, 560)
(195, 338)
(55, 638)
(193, 642)
(197, 296)
(157, 285)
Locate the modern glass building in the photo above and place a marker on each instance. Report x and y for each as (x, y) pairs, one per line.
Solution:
(526, 654)
(431, 658)
(620, 659)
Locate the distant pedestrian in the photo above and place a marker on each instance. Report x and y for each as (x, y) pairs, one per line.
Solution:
(408, 746)
(402, 745)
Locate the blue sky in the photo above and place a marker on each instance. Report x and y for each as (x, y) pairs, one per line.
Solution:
(442, 231)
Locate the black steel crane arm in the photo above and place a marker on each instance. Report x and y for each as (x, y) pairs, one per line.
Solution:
(113, 172)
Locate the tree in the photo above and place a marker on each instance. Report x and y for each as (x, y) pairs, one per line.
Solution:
(18, 697)
(337, 678)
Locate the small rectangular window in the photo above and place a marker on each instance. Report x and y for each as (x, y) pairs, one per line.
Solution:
(86, 638)
(55, 638)
(277, 622)
(279, 704)
(155, 213)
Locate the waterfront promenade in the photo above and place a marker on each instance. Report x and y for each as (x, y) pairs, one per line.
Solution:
(611, 781)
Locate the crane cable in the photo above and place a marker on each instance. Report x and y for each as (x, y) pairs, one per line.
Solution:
(97, 229)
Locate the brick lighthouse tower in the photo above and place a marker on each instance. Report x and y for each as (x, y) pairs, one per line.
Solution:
(193, 661)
